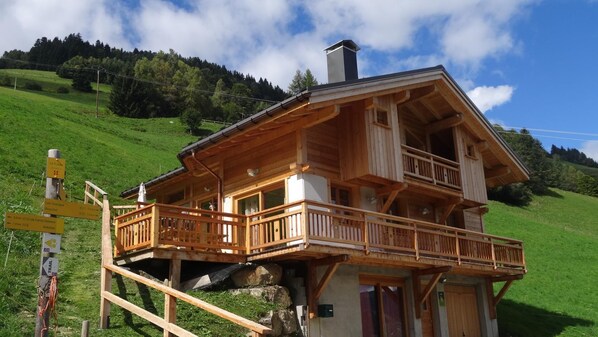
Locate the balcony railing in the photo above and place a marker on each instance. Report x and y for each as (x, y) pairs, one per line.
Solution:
(311, 223)
(431, 168)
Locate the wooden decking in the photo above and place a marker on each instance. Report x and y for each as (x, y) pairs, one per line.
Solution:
(308, 229)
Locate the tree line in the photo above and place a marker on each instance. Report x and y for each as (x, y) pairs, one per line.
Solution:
(151, 84)
(552, 169)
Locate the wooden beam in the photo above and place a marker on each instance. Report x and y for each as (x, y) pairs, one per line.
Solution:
(482, 145)
(401, 97)
(391, 198)
(330, 260)
(444, 123)
(497, 171)
(174, 280)
(315, 288)
(494, 300)
(234, 318)
(325, 280)
(506, 278)
(420, 296)
(395, 187)
(446, 212)
(422, 92)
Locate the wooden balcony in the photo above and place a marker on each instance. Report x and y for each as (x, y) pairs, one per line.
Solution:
(307, 228)
(430, 168)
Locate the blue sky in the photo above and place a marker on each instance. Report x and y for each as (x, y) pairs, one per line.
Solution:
(525, 63)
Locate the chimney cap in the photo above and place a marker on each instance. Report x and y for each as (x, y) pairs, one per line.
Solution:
(343, 43)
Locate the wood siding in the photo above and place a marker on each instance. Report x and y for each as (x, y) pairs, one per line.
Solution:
(322, 148)
(473, 220)
(271, 160)
(472, 168)
(368, 148)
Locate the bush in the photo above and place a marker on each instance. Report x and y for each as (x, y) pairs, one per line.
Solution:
(62, 90)
(5, 80)
(33, 86)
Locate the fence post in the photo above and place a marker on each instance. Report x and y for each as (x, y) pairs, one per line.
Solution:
(107, 259)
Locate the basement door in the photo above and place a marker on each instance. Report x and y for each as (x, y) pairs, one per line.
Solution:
(462, 311)
(382, 308)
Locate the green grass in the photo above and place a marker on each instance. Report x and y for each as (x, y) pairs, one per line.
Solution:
(558, 296)
(115, 153)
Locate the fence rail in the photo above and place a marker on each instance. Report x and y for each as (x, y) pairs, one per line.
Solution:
(159, 225)
(431, 168)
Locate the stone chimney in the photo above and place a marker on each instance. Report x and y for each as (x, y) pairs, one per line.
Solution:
(342, 61)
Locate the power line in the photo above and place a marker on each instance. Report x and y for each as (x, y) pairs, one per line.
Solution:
(143, 80)
(554, 131)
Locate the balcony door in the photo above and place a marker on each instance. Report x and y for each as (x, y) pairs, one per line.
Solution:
(267, 227)
(382, 307)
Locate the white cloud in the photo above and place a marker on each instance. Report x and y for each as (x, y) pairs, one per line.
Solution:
(271, 38)
(486, 98)
(590, 148)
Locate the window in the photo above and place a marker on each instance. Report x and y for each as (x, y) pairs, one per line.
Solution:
(175, 197)
(268, 228)
(470, 151)
(381, 117)
(340, 195)
(382, 307)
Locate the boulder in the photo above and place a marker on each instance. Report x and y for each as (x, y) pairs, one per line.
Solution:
(275, 294)
(288, 320)
(272, 320)
(255, 276)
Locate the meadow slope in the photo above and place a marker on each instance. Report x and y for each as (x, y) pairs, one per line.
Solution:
(560, 231)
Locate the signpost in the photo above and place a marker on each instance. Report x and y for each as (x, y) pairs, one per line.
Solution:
(55, 204)
(71, 209)
(36, 223)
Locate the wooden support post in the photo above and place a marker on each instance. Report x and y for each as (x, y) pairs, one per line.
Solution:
(174, 279)
(154, 240)
(42, 319)
(494, 300)
(420, 296)
(490, 298)
(315, 288)
(107, 258)
(311, 288)
(85, 329)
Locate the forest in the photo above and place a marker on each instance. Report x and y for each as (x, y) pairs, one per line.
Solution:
(151, 84)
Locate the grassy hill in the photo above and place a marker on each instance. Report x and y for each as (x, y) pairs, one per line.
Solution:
(560, 231)
(557, 297)
(115, 153)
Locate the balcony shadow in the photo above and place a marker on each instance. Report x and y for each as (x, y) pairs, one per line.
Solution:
(128, 316)
(521, 320)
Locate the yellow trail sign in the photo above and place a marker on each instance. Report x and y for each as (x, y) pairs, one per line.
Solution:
(36, 223)
(55, 168)
(71, 209)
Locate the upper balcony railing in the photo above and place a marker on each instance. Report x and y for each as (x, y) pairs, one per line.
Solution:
(431, 168)
(311, 223)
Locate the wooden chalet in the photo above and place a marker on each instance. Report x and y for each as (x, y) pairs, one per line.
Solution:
(370, 191)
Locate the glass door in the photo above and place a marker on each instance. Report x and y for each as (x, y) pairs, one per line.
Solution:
(382, 308)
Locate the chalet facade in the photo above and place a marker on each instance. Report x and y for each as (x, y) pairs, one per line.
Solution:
(370, 192)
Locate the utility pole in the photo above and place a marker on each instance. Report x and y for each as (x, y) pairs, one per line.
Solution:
(42, 321)
(97, 92)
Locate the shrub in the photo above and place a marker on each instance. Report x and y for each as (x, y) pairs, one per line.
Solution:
(33, 86)
(62, 90)
(5, 80)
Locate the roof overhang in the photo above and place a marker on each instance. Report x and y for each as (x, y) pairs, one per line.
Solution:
(321, 102)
